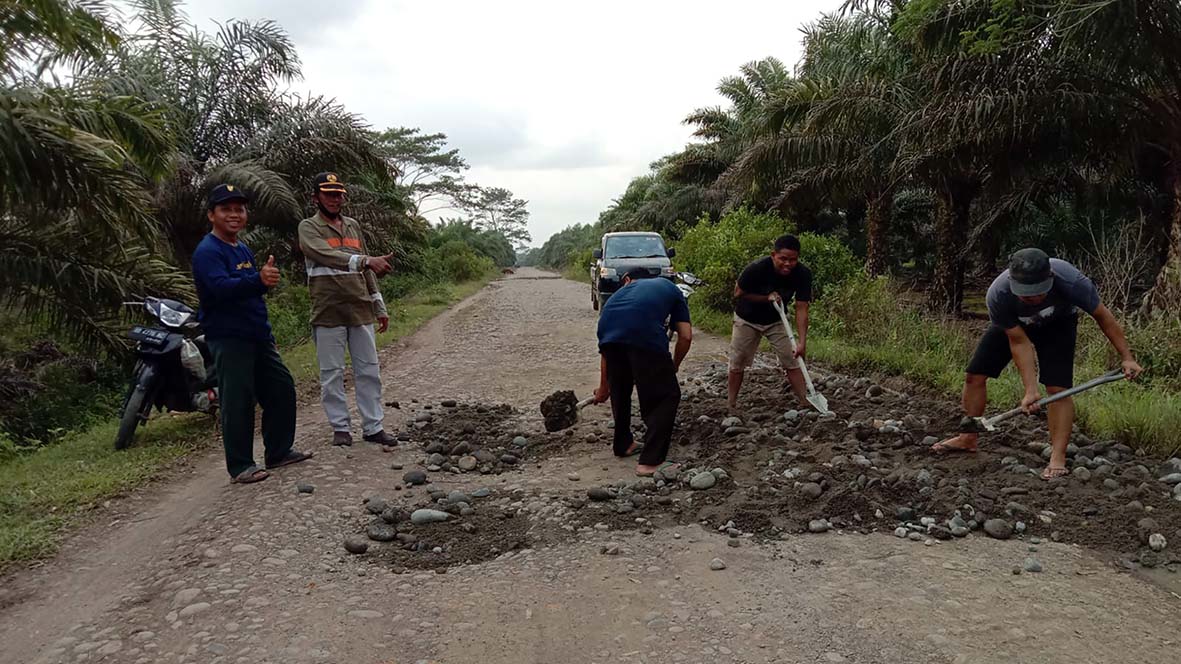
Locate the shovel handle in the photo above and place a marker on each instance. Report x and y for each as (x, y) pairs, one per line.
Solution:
(585, 402)
(1109, 377)
(791, 335)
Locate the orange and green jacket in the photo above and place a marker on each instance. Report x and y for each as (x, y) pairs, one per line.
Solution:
(344, 292)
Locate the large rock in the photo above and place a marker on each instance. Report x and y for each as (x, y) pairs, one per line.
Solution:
(380, 531)
(599, 494)
(1172, 478)
(356, 545)
(414, 477)
(424, 516)
(811, 490)
(468, 463)
(998, 528)
(702, 481)
(818, 526)
(394, 515)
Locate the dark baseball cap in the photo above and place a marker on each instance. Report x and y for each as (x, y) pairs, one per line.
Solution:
(328, 181)
(1029, 273)
(224, 193)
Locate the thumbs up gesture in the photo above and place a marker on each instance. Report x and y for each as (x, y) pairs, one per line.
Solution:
(269, 274)
(381, 264)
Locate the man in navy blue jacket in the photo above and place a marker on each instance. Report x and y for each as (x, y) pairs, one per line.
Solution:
(234, 318)
(633, 347)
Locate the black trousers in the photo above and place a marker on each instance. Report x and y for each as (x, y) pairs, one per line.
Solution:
(652, 374)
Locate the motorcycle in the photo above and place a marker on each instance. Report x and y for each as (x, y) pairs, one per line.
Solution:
(687, 283)
(173, 368)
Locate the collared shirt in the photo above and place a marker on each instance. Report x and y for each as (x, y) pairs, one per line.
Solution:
(343, 291)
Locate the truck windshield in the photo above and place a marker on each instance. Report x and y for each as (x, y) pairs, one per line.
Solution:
(634, 246)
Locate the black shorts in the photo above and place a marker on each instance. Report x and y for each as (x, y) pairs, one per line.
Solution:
(1053, 342)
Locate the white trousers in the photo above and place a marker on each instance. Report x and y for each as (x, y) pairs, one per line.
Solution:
(361, 342)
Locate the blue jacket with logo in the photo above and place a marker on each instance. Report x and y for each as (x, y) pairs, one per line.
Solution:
(230, 290)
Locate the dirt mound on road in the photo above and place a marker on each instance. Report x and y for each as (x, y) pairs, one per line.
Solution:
(782, 469)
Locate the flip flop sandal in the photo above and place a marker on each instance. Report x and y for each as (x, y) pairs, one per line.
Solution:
(292, 457)
(1054, 472)
(250, 475)
(638, 448)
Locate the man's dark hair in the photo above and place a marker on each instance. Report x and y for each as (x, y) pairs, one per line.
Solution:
(787, 242)
(637, 273)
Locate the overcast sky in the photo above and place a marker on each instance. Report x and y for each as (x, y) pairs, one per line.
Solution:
(561, 103)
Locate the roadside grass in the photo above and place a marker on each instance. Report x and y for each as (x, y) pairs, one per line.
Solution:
(47, 490)
(577, 273)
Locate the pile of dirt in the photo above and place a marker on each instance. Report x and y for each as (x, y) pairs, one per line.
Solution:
(782, 469)
(463, 438)
(870, 467)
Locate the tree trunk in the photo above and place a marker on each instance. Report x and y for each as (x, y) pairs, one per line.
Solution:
(1164, 298)
(877, 225)
(951, 231)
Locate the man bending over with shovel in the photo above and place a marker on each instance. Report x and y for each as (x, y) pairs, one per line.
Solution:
(633, 349)
(1033, 307)
(768, 281)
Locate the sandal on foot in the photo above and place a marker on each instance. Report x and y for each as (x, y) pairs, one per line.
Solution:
(1054, 472)
(636, 449)
(294, 456)
(250, 476)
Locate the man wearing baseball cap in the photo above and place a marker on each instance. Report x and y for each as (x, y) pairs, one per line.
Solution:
(1034, 307)
(346, 302)
(233, 315)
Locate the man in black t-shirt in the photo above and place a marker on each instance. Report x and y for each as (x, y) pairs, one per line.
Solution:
(779, 277)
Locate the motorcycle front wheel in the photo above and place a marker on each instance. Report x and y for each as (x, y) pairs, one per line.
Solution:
(133, 409)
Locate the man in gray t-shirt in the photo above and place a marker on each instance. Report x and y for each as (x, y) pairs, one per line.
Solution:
(1034, 308)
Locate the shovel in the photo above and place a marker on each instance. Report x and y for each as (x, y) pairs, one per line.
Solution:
(980, 424)
(561, 411)
(815, 398)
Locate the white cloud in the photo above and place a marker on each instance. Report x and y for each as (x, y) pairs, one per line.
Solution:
(561, 103)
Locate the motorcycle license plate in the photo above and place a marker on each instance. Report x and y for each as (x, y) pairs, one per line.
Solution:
(149, 335)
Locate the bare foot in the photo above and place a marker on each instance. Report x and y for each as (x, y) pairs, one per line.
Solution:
(1052, 472)
(645, 471)
(965, 442)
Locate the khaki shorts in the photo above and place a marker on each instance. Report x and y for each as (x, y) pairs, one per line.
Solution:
(744, 343)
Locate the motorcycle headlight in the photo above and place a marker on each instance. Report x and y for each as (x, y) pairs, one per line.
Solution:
(172, 317)
(608, 272)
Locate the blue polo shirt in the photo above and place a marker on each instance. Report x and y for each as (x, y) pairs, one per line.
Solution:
(635, 314)
(230, 290)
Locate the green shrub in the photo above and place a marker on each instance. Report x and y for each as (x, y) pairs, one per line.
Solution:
(70, 393)
(831, 262)
(462, 263)
(718, 251)
(289, 309)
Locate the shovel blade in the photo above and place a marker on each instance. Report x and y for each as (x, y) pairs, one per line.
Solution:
(976, 425)
(817, 399)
